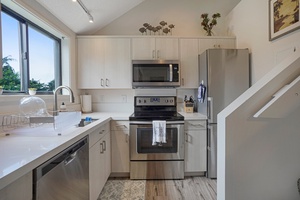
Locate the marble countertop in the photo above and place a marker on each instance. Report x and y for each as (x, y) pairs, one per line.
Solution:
(26, 148)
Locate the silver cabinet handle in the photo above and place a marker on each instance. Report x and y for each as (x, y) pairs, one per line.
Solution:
(153, 53)
(102, 82)
(106, 82)
(158, 54)
(186, 137)
(122, 126)
(182, 81)
(197, 125)
(104, 145)
(101, 148)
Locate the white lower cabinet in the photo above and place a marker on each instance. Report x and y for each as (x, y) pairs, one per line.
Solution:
(195, 146)
(20, 189)
(99, 160)
(120, 147)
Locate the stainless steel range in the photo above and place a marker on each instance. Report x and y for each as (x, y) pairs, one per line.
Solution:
(156, 160)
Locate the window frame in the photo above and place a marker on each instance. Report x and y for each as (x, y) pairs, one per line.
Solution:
(24, 24)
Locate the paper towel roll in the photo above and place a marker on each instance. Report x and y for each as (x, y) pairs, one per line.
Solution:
(86, 103)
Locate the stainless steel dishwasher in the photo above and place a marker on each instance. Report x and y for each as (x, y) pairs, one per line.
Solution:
(65, 176)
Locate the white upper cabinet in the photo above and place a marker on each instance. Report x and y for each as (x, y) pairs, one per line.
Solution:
(90, 62)
(104, 63)
(189, 63)
(146, 48)
(211, 43)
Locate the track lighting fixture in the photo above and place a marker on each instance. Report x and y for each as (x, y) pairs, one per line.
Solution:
(91, 19)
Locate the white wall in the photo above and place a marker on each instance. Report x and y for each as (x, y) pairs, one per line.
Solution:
(185, 15)
(249, 22)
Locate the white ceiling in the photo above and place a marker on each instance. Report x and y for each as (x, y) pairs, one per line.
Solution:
(103, 12)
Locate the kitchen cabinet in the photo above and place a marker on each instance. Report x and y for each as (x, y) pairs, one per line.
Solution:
(20, 189)
(153, 48)
(99, 159)
(210, 43)
(120, 148)
(189, 63)
(104, 63)
(195, 146)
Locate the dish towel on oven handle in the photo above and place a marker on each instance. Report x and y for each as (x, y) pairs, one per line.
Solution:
(159, 132)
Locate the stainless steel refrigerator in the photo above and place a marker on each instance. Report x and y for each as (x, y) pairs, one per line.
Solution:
(224, 74)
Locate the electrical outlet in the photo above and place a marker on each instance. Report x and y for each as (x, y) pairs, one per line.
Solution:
(124, 98)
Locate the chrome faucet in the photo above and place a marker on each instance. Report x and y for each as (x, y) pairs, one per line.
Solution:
(55, 110)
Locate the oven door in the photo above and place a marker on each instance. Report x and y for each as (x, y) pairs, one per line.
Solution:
(141, 147)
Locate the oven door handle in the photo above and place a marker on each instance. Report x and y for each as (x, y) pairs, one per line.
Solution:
(150, 122)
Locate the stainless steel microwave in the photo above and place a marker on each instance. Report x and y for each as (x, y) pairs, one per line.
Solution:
(155, 73)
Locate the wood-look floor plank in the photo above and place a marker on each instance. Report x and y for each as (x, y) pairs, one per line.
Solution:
(191, 188)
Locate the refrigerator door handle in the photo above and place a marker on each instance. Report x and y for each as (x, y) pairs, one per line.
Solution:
(210, 109)
(208, 138)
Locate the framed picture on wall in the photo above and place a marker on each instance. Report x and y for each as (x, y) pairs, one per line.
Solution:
(283, 17)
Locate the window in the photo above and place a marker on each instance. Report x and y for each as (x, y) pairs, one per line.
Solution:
(31, 56)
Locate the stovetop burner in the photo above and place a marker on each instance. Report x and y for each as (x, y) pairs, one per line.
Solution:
(149, 108)
(156, 116)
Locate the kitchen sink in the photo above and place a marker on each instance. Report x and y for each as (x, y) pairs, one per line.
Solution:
(86, 121)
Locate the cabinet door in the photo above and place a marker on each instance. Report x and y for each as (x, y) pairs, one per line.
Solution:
(120, 151)
(90, 62)
(96, 170)
(117, 63)
(189, 63)
(208, 43)
(143, 48)
(20, 189)
(107, 156)
(195, 150)
(167, 48)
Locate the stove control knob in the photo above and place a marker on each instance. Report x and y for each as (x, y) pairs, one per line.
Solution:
(145, 101)
(140, 101)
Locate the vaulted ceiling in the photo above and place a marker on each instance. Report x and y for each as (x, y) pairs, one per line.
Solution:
(104, 11)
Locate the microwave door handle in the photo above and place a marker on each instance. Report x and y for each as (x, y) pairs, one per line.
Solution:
(171, 73)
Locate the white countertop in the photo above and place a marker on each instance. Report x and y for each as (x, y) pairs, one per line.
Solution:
(26, 148)
(125, 116)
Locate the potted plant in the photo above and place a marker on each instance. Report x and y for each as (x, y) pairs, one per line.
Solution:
(207, 24)
(32, 91)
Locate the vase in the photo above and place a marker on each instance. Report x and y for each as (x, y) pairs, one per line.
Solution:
(209, 33)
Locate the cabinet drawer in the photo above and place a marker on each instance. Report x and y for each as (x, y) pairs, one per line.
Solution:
(192, 125)
(119, 125)
(98, 134)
